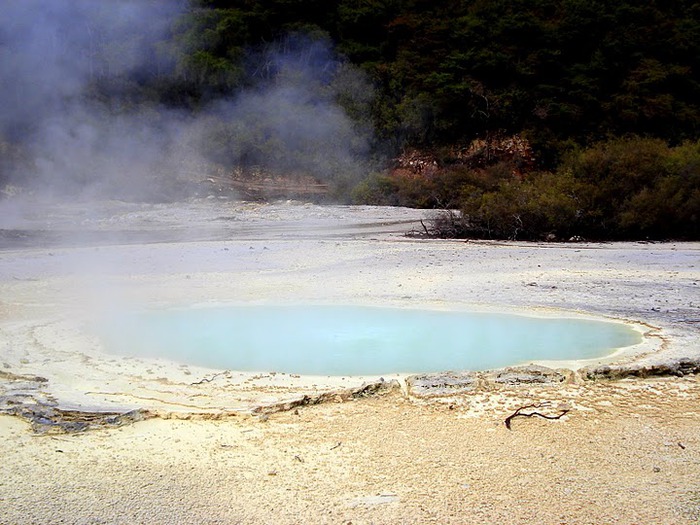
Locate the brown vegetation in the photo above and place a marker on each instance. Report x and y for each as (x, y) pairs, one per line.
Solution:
(630, 188)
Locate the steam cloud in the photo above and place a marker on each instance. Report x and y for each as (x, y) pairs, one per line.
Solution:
(60, 133)
(291, 122)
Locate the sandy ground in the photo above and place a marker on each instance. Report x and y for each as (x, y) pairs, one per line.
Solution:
(626, 452)
(629, 453)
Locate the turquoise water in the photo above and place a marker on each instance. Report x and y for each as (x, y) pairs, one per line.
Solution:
(352, 340)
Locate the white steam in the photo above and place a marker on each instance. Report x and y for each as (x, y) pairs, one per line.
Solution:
(62, 132)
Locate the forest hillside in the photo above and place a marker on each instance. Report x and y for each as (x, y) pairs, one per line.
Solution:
(535, 119)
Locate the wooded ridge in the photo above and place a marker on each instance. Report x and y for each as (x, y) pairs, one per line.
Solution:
(535, 119)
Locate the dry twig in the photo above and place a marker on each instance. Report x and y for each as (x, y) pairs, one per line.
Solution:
(519, 413)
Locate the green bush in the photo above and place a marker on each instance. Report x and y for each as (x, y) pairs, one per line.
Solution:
(376, 190)
(638, 188)
(543, 205)
(440, 191)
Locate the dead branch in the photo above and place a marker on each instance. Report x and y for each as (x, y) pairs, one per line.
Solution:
(519, 413)
(445, 224)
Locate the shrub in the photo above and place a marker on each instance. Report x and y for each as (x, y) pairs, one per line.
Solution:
(638, 188)
(377, 190)
(542, 206)
(623, 188)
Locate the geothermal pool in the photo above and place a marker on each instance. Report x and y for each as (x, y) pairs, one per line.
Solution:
(356, 340)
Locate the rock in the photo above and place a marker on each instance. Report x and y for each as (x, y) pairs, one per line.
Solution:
(678, 367)
(528, 375)
(50, 420)
(9, 376)
(442, 384)
(376, 388)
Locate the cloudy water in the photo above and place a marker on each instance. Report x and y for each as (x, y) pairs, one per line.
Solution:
(352, 340)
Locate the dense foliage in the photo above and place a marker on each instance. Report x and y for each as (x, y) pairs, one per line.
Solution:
(607, 94)
(618, 189)
(448, 70)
